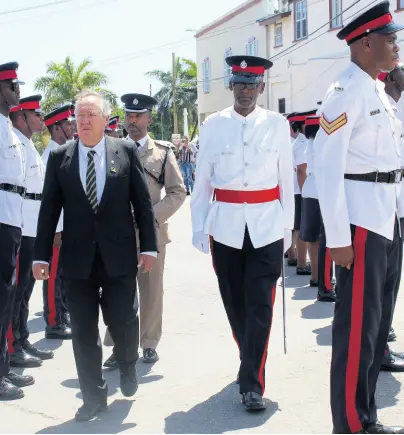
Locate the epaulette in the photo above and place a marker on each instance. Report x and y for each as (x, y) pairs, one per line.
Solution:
(163, 145)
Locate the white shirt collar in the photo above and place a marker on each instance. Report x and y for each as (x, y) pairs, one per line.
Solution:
(23, 138)
(99, 148)
(249, 117)
(142, 142)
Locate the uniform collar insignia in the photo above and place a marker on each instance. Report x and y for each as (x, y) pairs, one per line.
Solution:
(374, 112)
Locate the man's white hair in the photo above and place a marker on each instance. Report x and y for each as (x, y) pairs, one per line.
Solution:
(105, 107)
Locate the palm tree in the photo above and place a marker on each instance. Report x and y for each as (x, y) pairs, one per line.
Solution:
(63, 81)
(186, 90)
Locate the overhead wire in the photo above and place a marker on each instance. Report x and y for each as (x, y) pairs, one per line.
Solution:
(30, 8)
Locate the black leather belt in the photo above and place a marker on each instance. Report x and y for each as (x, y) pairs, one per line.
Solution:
(392, 177)
(33, 196)
(13, 189)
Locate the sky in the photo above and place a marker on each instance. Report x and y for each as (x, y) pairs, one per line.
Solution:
(124, 38)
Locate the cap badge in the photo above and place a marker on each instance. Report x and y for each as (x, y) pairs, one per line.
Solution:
(243, 64)
(135, 102)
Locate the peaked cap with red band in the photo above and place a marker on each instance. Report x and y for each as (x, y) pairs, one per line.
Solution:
(59, 114)
(300, 117)
(114, 123)
(8, 71)
(29, 103)
(247, 69)
(312, 120)
(377, 19)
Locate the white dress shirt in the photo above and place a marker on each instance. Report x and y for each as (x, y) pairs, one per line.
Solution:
(243, 153)
(35, 176)
(299, 158)
(12, 171)
(309, 187)
(142, 142)
(45, 157)
(365, 137)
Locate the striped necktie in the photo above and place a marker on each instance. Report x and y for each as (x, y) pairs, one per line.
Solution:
(91, 182)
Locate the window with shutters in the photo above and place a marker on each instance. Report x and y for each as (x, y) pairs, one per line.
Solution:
(335, 14)
(251, 48)
(300, 19)
(278, 35)
(227, 68)
(206, 75)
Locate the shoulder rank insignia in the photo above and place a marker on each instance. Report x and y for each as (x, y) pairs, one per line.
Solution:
(331, 127)
(374, 112)
(338, 88)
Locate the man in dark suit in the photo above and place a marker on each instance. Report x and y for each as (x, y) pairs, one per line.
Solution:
(98, 181)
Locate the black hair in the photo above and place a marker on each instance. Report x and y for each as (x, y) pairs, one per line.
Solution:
(310, 131)
(14, 115)
(297, 126)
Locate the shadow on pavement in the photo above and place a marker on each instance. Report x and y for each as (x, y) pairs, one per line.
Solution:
(318, 310)
(305, 293)
(106, 423)
(36, 325)
(221, 413)
(52, 344)
(387, 389)
(324, 335)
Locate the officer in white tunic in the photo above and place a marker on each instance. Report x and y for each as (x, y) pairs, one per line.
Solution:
(358, 175)
(27, 119)
(245, 166)
(12, 190)
(61, 128)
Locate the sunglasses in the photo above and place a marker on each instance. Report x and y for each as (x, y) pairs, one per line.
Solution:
(249, 86)
(14, 86)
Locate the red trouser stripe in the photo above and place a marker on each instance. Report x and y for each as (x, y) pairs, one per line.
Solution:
(10, 335)
(264, 355)
(355, 335)
(327, 271)
(52, 287)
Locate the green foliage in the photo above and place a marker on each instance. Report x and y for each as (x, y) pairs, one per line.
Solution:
(186, 90)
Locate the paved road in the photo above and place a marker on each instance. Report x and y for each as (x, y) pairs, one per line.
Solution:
(191, 389)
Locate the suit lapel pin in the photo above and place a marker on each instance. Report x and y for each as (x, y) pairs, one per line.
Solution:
(113, 170)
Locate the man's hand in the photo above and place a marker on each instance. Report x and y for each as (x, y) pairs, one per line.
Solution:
(57, 241)
(343, 256)
(146, 262)
(40, 271)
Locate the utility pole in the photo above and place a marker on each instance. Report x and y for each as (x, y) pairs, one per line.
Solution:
(175, 96)
(150, 89)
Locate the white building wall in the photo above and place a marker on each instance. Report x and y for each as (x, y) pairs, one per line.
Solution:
(301, 74)
(233, 34)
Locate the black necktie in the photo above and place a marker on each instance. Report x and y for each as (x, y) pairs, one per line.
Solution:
(138, 145)
(91, 182)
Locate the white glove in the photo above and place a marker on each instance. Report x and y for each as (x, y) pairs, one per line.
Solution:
(201, 242)
(287, 240)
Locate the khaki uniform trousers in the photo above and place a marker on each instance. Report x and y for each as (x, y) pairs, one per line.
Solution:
(151, 293)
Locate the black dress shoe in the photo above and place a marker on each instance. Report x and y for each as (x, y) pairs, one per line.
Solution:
(392, 363)
(61, 332)
(397, 354)
(392, 336)
(380, 428)
(253, 402)
(20, 358)
(128, 379)
(20, 380)
(303, 270)
(39, 353)
(66, 320)
(292, 262)
(111, 363)
(9, 391)
(313, 283)
(326, 296)
(89, 411)
(150, 356)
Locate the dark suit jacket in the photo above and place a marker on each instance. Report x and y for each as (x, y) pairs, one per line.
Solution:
(112, 228)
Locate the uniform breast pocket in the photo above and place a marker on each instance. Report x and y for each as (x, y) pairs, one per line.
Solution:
(375, 133)
(225, 161)
(268, 157)
(33, 171)
(9, 152)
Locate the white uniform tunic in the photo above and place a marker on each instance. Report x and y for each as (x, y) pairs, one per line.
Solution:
(12, 171)
(35, 176)
(45, 157)
(309, 187)
(359, 133)
(400, 115)
(299, 158)
(243, 153)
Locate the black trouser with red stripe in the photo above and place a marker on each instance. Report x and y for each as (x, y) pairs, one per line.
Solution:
(54, 293)
(362, 319)
(18, 330)
(10, 238)
(247, 281)
(325, 269)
